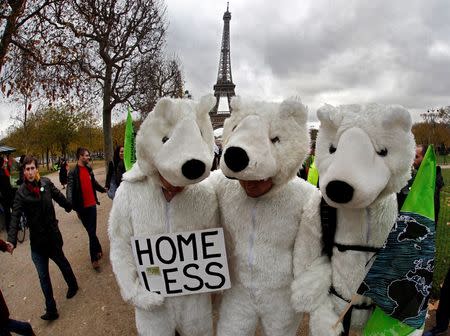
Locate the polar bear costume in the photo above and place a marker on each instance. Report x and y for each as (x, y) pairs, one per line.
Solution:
(364, 155)
(262, 142)
(176, 142)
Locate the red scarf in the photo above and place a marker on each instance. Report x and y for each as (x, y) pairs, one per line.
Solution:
(33, 187)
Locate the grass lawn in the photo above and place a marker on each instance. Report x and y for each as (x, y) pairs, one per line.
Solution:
(443, 235)
(443, 159)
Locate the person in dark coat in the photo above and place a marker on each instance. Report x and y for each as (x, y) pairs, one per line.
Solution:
(21, 177)
(34, 199)
(6, 195)
(116, 168)
(7, 324)
(443, 310)
(63, 173)
(81, 193)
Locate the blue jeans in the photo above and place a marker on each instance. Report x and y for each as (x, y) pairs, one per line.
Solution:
(18, 327)
(41, 263)
(88, 217)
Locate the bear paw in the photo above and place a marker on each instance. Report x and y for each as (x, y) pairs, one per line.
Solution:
(322, 321)
(310, 290)
(148, 300)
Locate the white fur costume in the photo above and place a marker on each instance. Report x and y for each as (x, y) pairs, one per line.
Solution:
(262, 141)
(363, 154)
(176, 141)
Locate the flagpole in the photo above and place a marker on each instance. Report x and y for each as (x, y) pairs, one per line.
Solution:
(346, 309)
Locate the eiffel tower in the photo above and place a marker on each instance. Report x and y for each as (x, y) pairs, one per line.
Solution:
(224, 88)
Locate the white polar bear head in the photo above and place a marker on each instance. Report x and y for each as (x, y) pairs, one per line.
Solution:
(265, 141)
(176, 141)
(363, 152)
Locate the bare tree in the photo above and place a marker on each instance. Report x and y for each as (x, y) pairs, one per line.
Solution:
(10, 13)
(18, 21)
(103, 52)
(103, 42)
(158, 78)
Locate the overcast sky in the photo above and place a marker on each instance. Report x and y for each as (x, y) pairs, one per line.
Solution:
(336, 51)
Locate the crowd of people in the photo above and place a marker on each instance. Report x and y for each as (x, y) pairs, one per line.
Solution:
(34, 198)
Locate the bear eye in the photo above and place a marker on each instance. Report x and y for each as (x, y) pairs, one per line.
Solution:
(332, 149)
(164, 139)
(234, 127)
(382, 152)
(275, 140)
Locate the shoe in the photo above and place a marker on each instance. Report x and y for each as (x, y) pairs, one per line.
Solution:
(96, 265)
(435, 332)
(50, 316)
(71, 292)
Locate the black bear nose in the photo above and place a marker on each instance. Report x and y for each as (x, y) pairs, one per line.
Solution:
(193, 169)
(236, 159)
(339, 191)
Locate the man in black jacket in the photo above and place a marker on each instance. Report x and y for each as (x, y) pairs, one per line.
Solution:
(34, 198)
(81, 194)
(6, 194)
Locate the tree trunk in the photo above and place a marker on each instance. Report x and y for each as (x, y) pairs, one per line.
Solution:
(107, 109)
(48, 160)
(10, 28)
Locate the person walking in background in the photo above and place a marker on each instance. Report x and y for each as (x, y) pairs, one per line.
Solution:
(6, 195)
(116, 169)
(6, 165)
(81, 193)
(63, 173)
(34, 199)
(21, 167)
(7, 324)
(443, 311)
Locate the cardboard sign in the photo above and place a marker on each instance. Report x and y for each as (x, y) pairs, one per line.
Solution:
(182, 263)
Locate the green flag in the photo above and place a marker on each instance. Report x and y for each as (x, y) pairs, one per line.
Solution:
(313, 173)
(129, 150)
(422, 190)
(399, 281)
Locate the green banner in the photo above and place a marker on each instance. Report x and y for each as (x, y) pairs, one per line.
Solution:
(129, 150)
(381, 324)
(422, 190)
(313, 173)
(399, 281)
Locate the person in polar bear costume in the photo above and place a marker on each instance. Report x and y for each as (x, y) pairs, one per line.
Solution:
(160, 194)
(262, 204)
(363, 155)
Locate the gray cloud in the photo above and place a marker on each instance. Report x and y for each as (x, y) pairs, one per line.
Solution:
(393, 52)
(325, 51)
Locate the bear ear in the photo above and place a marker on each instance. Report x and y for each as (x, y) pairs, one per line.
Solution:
(206, 104)
(329, 115)
(397, 116)
(236, 103)
(163, 106)
(293, 107)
